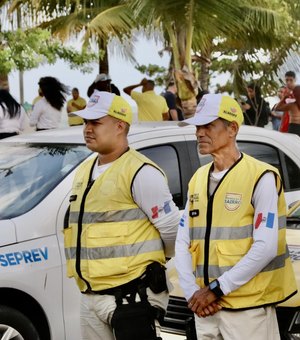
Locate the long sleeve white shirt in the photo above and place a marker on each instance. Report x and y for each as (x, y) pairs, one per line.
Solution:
(45, 116)
(17, 124)
(151, 193)
(262, 251)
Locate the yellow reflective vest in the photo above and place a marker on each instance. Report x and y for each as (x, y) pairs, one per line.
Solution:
(221, 229)
(109, 240)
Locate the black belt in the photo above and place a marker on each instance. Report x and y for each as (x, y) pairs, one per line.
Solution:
(125, 289)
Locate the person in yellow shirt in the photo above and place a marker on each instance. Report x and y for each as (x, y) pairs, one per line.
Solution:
(73, 105)
(37, 98)
(151, 107)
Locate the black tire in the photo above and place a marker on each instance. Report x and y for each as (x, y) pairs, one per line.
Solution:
(15, 325)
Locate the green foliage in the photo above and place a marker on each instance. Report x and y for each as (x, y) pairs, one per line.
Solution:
(158, 73)
(25, 50)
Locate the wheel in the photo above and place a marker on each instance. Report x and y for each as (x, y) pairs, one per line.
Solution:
(14, 325)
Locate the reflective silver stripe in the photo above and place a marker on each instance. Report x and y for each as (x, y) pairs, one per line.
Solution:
(109, 216)
(229, 233)
(216, 271)
(115, 251)
(282, 222)
(222, 233)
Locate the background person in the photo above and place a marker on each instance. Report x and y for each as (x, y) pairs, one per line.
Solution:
(231, 252)
(121, 229)
(37, 98)
(13, 118)
(46, 113)
(102, 82)
(200, 94)
(75, 104)
(256, 109)
(175, 113)
(292, 105)
(151, 107)
(290, 81)
(276, 115)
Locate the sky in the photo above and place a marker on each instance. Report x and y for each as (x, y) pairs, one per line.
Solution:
(122, 72)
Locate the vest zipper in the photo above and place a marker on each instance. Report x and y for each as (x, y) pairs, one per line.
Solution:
(209, 211)
(78, 245)
(207, 239)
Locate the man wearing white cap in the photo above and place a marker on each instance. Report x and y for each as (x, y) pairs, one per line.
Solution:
(231, 253)
(121, 229)
(102, 82)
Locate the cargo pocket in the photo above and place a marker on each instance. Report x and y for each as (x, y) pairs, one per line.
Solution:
(229, 254)
(108, 252)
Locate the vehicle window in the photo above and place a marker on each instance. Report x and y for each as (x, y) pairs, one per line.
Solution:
(293, 173)
(261, 152)
(268, 154)
(165, 156)
(28, 172)
(296, 212)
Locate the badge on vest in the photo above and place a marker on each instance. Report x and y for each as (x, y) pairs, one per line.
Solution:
(194, 198)
(194, 213)
(232, 201)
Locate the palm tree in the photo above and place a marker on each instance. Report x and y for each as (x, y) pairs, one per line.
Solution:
(193, 26)
(96, 22)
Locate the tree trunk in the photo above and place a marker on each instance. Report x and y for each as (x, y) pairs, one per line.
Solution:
(103, 57)
(204, 76)
(205, 61)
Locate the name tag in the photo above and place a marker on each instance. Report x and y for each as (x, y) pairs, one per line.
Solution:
(73, 198)
(194, 213)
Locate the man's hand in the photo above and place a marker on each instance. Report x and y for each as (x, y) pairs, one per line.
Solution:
(203, 302)
(211, 309)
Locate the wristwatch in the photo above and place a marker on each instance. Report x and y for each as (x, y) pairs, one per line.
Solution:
(214, 286)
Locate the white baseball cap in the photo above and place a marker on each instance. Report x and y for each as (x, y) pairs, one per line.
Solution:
(102, 77)
(214, 106)
(103, 104)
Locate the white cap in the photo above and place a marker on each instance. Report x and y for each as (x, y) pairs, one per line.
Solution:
(102, 77)
(103, 104)
(214, 106)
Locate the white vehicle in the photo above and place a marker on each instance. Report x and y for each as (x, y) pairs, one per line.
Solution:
(37, 300)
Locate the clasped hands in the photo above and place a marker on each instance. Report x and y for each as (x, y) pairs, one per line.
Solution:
(204, 303)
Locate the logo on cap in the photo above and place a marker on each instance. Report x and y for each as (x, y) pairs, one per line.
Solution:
(201, 104)
(93, 100)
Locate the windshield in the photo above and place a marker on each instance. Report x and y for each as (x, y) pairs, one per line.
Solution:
(28, 172)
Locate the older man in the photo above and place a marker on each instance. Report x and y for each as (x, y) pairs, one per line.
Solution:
(231, 253)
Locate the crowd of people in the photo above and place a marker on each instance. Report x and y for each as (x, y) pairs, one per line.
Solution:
(48, 106)
(284, 115)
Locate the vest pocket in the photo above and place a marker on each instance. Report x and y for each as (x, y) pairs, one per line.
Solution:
(107, 250)
(230, 252)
